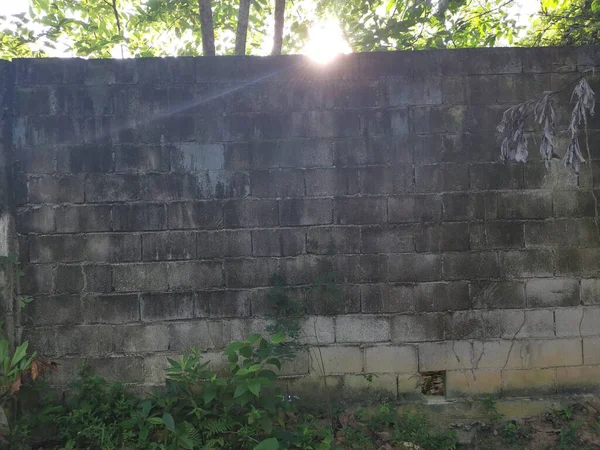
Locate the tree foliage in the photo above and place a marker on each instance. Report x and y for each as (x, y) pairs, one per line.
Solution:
(566, 22)
(105, 28)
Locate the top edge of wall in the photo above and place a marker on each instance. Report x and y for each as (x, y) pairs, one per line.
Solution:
(374, 65)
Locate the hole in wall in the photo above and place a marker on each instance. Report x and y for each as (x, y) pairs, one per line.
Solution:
(433, 383)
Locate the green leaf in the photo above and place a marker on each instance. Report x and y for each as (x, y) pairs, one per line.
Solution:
(155, 420)
(234, 347)
(275, 362)
(268, 444)
(278, 338)
(254, 368)
(246, 352)
(20, 352)
(240, 390)
(254, 386)
(253, 338)
(210, 392)
(169, 421)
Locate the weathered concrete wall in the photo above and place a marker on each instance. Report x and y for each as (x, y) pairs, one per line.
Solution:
(157, 197)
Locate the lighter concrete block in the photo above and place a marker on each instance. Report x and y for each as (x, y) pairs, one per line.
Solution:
(503, 354)
(155, 367)
(529, 380)
(358, 328)
(581, 377)
(552, 292)
(538, 324)
(419, 327)
(445, 356)
(591, 350)
(383, 382)
(553, 353)
(300, 365)
(578, 321)
(318, 330)
(391, 359)
(337, 359)
(460, 383)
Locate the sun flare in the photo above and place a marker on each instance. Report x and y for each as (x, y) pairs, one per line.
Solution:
(325, 42)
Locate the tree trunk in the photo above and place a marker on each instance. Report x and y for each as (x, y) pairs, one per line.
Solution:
(242, 27)
(279, 17)
(206, 24)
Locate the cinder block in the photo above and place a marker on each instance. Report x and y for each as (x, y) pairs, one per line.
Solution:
(387, 298)
(538, 324)
(404, 91)
(251, 213)
(85, 218)
(530, 381)
(361, 151)
(526, 263)
(55, 310)
(495, 176)
(590, 291)
(552, 292)
(121, 247)
(333, 240)
(139, 217)
(591, 350)
(142, 338)
(492, 235)
(112, 188)
(113, 309)
(391, 359)
(463, 206)
(328, 182)
(360, 210)
(443, 237)
(196, 215)
(222, 304)
(377, 239)
(420, 327)
(497, 294)
(562, 233)
(161, 187)
(66, 248)
(441, 178)
(430, 297)
(435, 356)
(357, 328)
(578, 379)
(218, 244)
(278, 242)
(166, 306)
(277, 183)
(125, 369)
(37, 220)
(343, 300)
(169, 245)
(482, 324)
(55, 189)
(304, 269)
(206, 334)
(591, 318)
(250, 272)
(142, 158)
(222, 184)
(570, 323)
(341, 359)
(525, 205)
(386, 180)
(414, 208)
(504, 354)
(186, 275)
(553, 353)
(468, 266)
(37, 279)
(140, 277)
(83, 278)
(439, 119)
(414, 267)
(461, 383)
(573, 204)
(194, 156)
(578, 262)
(318, 330)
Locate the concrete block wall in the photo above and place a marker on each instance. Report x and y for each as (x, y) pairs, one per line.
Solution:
(155, 199)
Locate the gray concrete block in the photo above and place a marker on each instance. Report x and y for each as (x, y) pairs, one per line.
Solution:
(167, 306)
(218, 244)
(283, 242)
(414, 267)
(360, 210)
(84, 218)
(298, 212)
(202, 215)
(139, 217)
(431, 297)
(387, 298)
(552, 292)
(121, 247)
(251, 213)
(168, 245)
